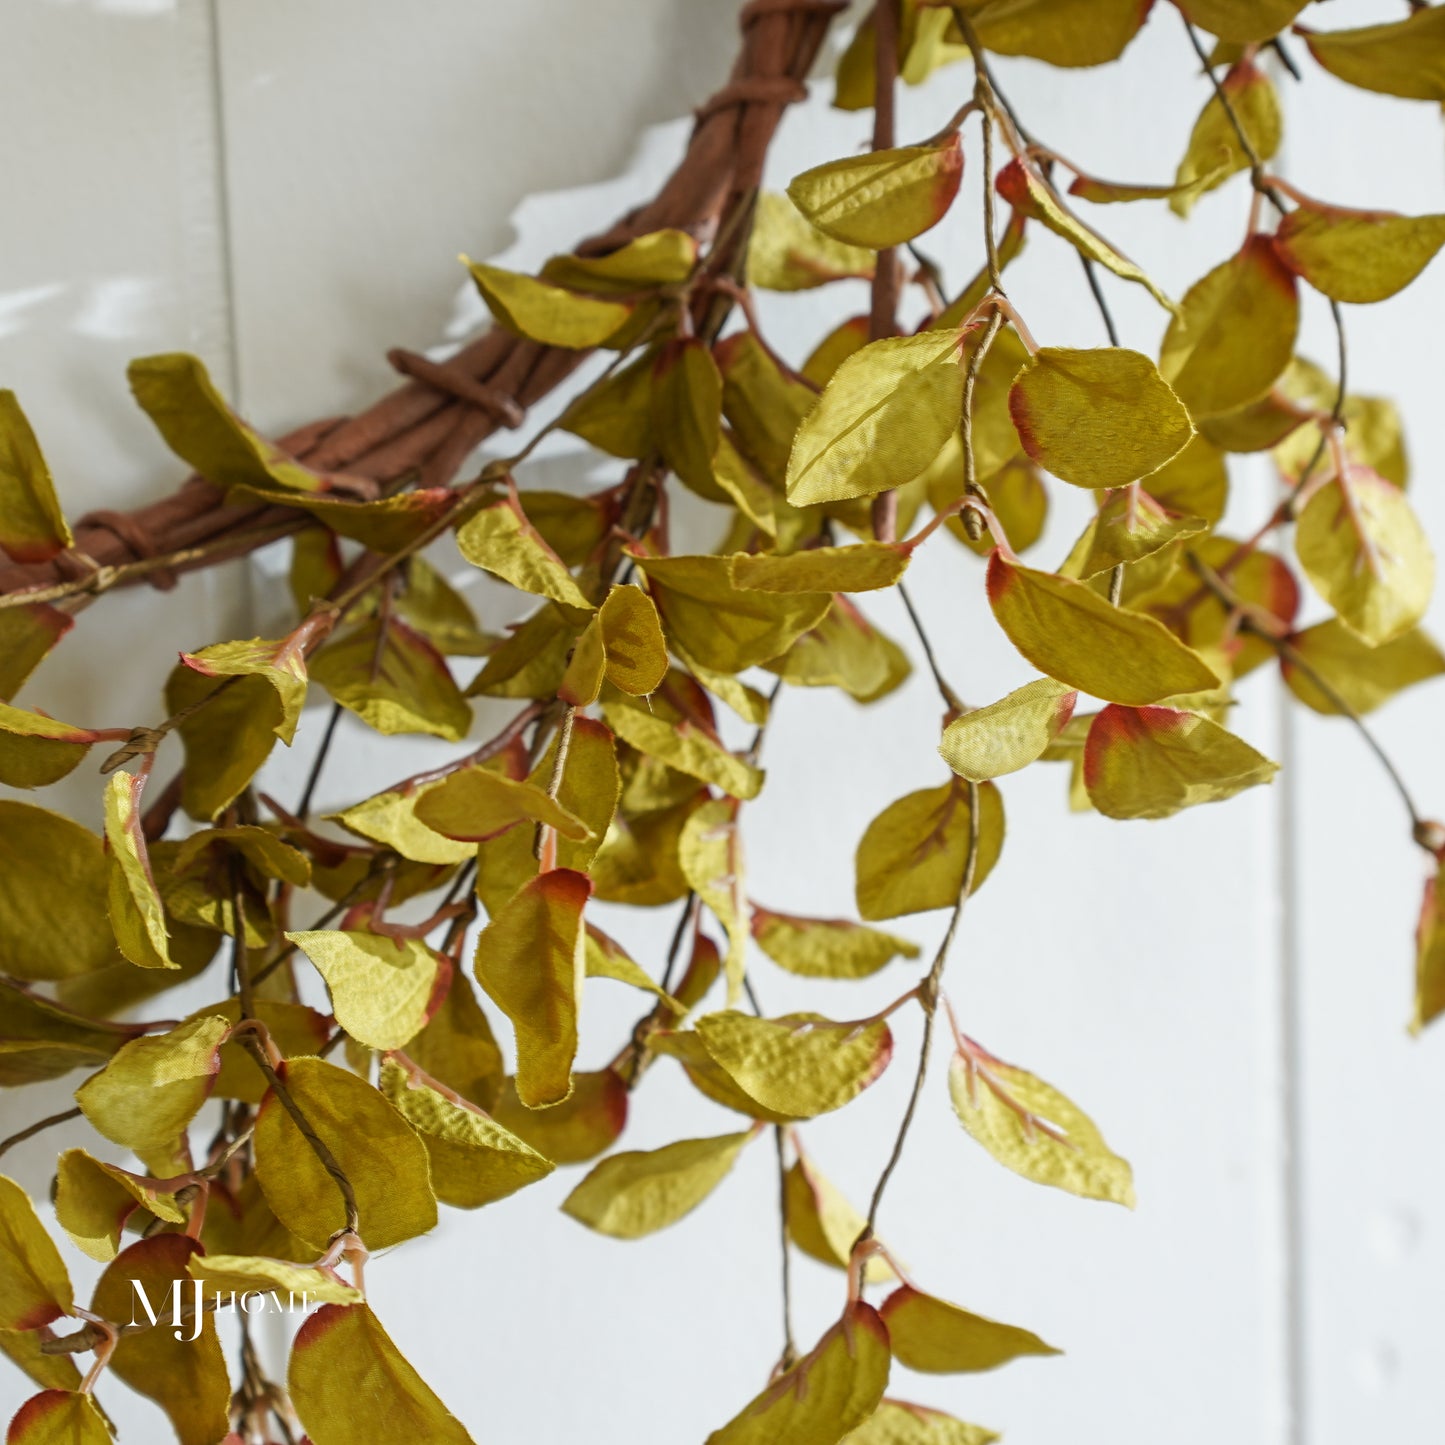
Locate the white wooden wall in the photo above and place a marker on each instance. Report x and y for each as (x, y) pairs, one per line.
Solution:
(282, 188)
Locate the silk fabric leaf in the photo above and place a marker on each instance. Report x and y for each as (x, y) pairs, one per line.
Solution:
(136, 912)
(1033, 1129)
(861, 568)
(936, 1337)
(473, 805)
(1214, 152)
(346, 1377)
(636, 1193)
(383, 990)
(377, 1150)
(58, 1417)
(36, 750)
(34, 1285)
(546, 313)
(1076, 637)
(32, 526)
(1365, 676)
(1402, 57)
(787, 252)
(884, 197)
(1097, 418)
(1009, 734)
(1357, 256)
(530, 961)
(913, 855)
(501, 539)
(826, 947)
(896, 1422)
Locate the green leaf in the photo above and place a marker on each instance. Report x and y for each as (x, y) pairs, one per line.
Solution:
(390, 818)
(884, 197)
(1430, 953)
(501, 540)
(282, 664)
(1364, 676)
(346, 1376)
(530, 962)
(27, 635)
(1009, 734)
(383, 990)
(721, 625)
(1403, 57)
(588, 1121)
(936, 1337)
(836, 1386)
(34, 1285)
(136, 912)
(475, 804)
(865, 567)
(657, 258)
(176, 392)
(1214, 152)
(898, 1423)
(1033, 197)
(145, 1098)
(474, 1160)
(32, 526)
(822, 1223)
(787, 252)
(1243, 22)
(394, 680)
(1235, 331)
(636, 1193)
(1098, 418)
(544, 312)
(58, 1417)
(687, 410)
(826, 947)
(93, 1201)
(223, 1273)
(1150, 762)
(883, 417)
(1031, 1128)
(374, 1146)
(186, 1378)
(1362, 546)
(1075, 636)
(36, 750)
(844, 650)
(913, 855)
(226, 740)
(1357, 256)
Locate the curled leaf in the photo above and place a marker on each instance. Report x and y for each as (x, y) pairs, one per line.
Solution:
(1009, 734)
(545, 312)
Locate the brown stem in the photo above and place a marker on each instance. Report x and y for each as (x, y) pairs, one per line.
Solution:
(887, 272)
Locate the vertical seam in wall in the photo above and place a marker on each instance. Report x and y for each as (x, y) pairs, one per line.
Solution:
(224, 244)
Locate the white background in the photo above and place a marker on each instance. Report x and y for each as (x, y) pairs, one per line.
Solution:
(282, 188)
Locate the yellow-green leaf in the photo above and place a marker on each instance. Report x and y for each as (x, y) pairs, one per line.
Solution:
(375, 1147)
(1364, 676)
(394, 680)
(186, 1377)
(914, 854)
(1075, 636)
(606, 958)
(1060, 32)
(1033, 197)
(1031, 1128)
(93, 1201)
(881, 198)
(1214, 152)
(1357, 256)
(146, 1096)
(588, 1121)
(1235, 331)
(844, 650)
(1128, 527)
(797, 1066)
(282, 664)
(295, 1029)
(1150, 762)
(615, 414)
(346, 1380)
(1244, 22)
(58, 1417)
(787, 252)
(896, 1422)
(836, 1386)
(1362, 546)
(27, 635)
(382, 989)
(1402, 57)
(53, 921)
(474, 1160)
(1430, 953)
(34, 1285)
(227, 739)
(822, 1223)
(32, 526)
(36, 750)
(176, 392)
(710, 854)
(475, 804)
(687, 410)
(658, 258)
(1097, 418)
(826, 947)
(936, 1337)
(221, 1274)
(1009, 734)
(883, 417)
(864, 567)
(390, 818)
(638, 1192)
(544, 312)
(457, 1047)
(632, 638)
(723, 626)
(136, 912)
(531, 962)
(501, 540)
